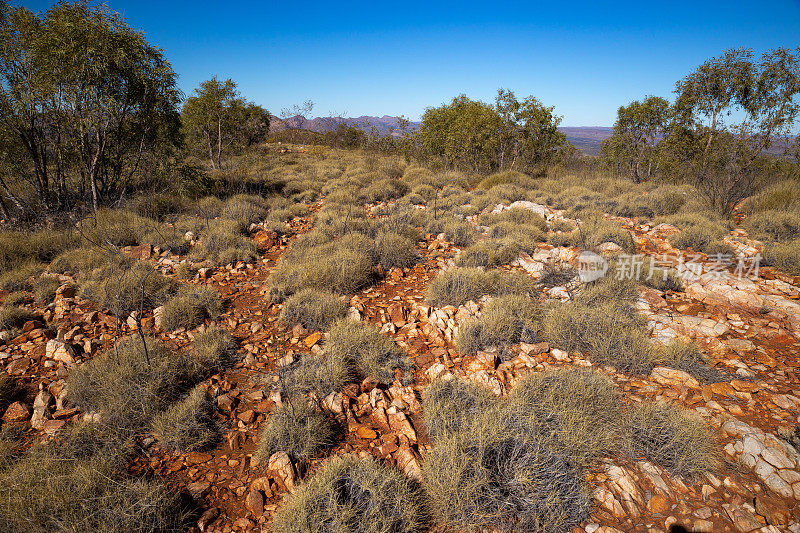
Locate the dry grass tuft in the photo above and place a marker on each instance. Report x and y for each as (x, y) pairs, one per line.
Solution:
(297, 428)
(459, 285)
(314, 309)
(190, 307)
(505, 320)
(15, 317)
(355, 495)
(372, 353)
(189, 424)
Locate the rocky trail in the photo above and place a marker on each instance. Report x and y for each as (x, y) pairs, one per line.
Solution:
(750, 328)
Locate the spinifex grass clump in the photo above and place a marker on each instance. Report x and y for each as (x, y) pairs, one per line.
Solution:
(354, 495)
(459, 285)
(505, 320)
(298, 428)
(190, 307)
(188, 424)
(314, 309)
(372, 353)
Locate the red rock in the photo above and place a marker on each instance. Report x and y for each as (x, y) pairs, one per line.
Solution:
(366, 433)
(17, 412)
(207, 518)
(255, 502)
(51, 427)
(265, 240)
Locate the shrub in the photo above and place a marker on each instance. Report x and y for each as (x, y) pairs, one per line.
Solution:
(459, 285)
(115, 227)
(16, 299)
(374, 354)
(784, 256)
(244, 210)
(507, 177)
(357, 495)
(660, 278)
(15, 317)
(82, 259)
(517, 216)
(189, 424)
(20, 247)
(45, 288)
(698, 238)
(128, 386)
(8, 391)
(450, 405)
(672, 437)
(688, 357)
(495, 475)
(20, 277)
(223, 243)
(214, 349)
(125, 288)
(45, 492)
(773, 225)
(505, 320)
(781, 196)
(489, 253)
(209, 207)
(384, 190)
(314, 309)
(190, 307)
(579, 407)
(459, 232)
(322, 374)
(394, 250)
(595, 231)
(297, 428)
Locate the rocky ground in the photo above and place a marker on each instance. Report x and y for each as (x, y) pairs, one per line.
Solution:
(749, 327)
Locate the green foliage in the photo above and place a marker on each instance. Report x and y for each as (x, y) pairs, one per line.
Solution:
(188, 425)
(314, 309)
(354, 495)
(673, 437)
(698, 238)
(297, 428)
(372, 353)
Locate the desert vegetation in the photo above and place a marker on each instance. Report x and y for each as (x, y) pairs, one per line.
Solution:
(212, 318)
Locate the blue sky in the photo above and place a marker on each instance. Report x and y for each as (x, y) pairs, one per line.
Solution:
(376, 58)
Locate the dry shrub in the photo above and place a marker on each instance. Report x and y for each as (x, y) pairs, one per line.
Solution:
(784, 256)
(223, 243)
(113, 227)
(213, 350)
(496, 474)
(773, 225)
(459, 232)
(511, 177)
(245, 209)
(321, 374)
(190, 307)
(298, 428)
(395, 250)
(357, 495)
(129, 386)
(517, 216)
(673, 437)
(82, 259)
(451, 404)
(489, 253)
(21, 277)
(314, 309)
(15, 317)
(596, 230)
(505, 320)
(698, 238)
(45, 288)
(124, 288)
(459, 285)
(384, 190)
(372, 353)
(579, 407)
(189, 424)
(20, 247)
(688, 357)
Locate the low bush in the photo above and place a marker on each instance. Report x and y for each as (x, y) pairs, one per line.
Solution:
(773, 225)
(128, 386)
(314, 309)
(395, 250)
(457, 286)
(505, 320)
(223, 244)
(595, 231)
(698, 238)
(321, 374)
(20, 247)
(356, 495)
(83, 259)
(213, 350)
(297, 428)
(8, 391)
(498, 474)
(21, 277)
(459, 232)
(190, 307)
(784, 256)
(188, 424)
(15, 317)
(581, 408)
(113, 227)
(508, 177)
(658, 277)
(373, 354)
(489, 253)
(673, 437)
(782, 196)
(384, 190)
(450, 405)
(518, 216)
(245, 209)
(45, 288)
(688, 357)
(126, 287)
(18, 298)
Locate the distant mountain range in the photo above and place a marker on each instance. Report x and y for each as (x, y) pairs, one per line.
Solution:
(586, 139)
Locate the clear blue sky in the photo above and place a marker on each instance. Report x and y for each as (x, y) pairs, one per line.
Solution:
(376, 58)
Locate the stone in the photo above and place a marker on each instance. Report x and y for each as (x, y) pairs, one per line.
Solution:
(313, 339)
(773, 511)
(409, 462)
(207, 518)
(198, 488)
(658, 504)
(671, 377)
(607, 500)
(255, 502)
(366, 433)
(776, 484)
(60, 351)
(281, 466)
(777, 458)
(17, 412)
